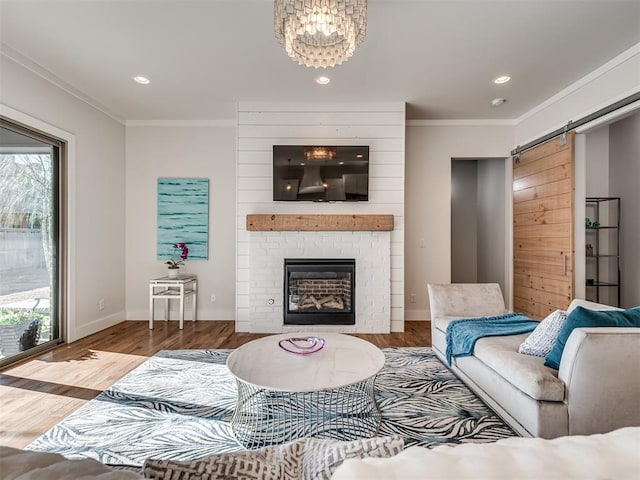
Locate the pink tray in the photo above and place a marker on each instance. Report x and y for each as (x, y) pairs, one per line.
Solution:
(302, 345)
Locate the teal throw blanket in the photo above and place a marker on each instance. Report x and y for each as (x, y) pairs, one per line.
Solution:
(462, 334)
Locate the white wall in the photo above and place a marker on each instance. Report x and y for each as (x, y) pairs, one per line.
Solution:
(428, 200)
(379, 125)
(181, 151)
(624, 144)
(98, 244)
(464, 221)
(613, 81)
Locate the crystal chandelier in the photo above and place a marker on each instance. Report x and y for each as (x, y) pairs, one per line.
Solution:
(320, 33)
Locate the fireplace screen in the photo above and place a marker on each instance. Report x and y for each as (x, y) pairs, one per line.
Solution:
(319, 291)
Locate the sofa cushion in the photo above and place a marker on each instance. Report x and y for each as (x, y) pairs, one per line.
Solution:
(578, 302)
(544, 337)
(584, 317)
(465, 300)
(525, 372)
(305, 459)
(441, 323)
(613, 455)
(28, 465)
(463, 334)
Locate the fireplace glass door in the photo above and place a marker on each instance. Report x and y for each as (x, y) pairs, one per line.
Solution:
(319, 292)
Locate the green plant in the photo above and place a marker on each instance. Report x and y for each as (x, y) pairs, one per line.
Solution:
(15, 317)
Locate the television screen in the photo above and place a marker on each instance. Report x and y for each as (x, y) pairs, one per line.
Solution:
(320, 173)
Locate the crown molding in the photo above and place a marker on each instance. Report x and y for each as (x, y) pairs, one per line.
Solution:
(181, 123)
(42, 72)
(588, 78)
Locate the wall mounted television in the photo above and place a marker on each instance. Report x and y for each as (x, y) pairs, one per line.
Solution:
(320, 173)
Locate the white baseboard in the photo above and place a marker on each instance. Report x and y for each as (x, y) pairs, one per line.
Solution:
(97, 325)
(417, 315)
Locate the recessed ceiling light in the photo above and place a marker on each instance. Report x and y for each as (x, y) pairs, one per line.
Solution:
(141, 80)
(501, 79)
(496, 102)
(322, 80)
(340, 163)
(360, 155)
(302, 163)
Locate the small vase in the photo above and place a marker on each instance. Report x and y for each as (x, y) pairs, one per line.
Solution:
(174, 272)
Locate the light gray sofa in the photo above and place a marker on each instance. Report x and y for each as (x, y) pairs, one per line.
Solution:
(596, 389)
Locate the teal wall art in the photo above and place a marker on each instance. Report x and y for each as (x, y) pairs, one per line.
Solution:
(183, 216)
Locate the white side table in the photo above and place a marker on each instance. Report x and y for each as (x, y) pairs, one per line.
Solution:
(179, 288)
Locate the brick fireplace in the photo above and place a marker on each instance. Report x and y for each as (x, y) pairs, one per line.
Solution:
(368, 252)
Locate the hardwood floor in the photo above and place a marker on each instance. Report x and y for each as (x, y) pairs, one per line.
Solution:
(38, 393)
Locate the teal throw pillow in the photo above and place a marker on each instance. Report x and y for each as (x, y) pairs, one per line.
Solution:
(583, 317)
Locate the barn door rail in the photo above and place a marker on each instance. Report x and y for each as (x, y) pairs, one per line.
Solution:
(572, 125)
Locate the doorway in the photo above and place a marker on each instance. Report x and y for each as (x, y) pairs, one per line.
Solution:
(608, 161)
(478, 221)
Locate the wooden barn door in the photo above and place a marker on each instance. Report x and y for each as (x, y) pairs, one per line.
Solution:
(543, 223)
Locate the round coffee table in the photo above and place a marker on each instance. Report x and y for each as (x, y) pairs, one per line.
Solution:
(283, 396)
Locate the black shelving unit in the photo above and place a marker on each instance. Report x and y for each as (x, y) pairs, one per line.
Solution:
(602, 247)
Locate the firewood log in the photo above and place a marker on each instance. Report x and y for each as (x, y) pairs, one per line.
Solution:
(335, 305)
(324, 300)
(315, 302)
(302, 300)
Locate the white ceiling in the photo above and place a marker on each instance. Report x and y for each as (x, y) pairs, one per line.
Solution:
(203, 56)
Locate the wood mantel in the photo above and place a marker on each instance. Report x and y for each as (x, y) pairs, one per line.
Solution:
(319, 223)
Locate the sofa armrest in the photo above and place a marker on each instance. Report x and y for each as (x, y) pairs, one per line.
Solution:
(464, 300)
(601, 370)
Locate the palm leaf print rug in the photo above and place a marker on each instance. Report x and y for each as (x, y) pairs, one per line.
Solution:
(179, 403)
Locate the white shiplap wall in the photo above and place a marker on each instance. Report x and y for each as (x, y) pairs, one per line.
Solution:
(379, 125)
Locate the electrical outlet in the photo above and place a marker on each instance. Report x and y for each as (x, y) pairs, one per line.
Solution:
(213, 297)
(101, 304)
(412, 298)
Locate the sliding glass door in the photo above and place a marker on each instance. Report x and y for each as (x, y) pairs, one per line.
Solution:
(29, 242)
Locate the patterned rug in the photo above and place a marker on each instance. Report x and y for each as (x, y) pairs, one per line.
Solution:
(178, 405)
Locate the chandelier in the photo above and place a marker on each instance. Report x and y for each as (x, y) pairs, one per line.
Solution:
(320, 33)
(320, 153)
